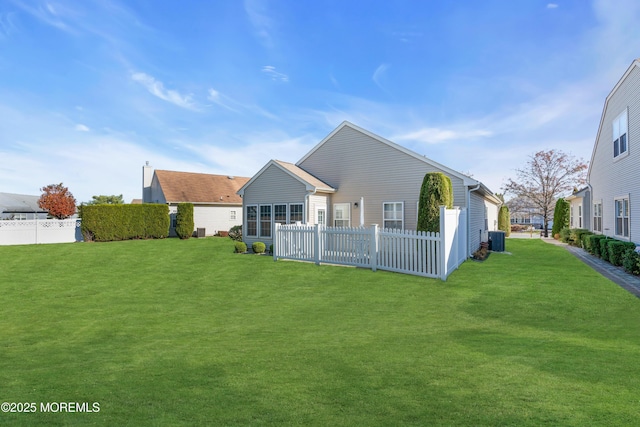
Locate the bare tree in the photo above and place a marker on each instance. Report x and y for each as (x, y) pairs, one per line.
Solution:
(546, 176)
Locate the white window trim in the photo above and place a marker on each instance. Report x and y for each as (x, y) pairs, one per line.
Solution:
(303, 221)
(257, 220)
(615, 217)
(270, 236)
(595, 211)
(233, 215)
(348, 211)
(615, 136)
(395, 219)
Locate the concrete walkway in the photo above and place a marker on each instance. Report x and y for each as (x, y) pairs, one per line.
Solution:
(616, 274)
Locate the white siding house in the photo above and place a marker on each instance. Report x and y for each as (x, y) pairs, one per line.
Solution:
(216, 206)
(614, 170)
(356, 178)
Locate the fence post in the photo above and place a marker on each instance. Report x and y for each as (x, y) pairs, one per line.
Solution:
(316, 243)
(442, 253)
(373, 249)
(276, 244)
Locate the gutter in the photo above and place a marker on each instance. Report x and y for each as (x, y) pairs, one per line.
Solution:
(306, 204)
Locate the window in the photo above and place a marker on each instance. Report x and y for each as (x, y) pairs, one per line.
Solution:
(321, 216)
(265, 220)
(620, 135)
(232, 215)
(342, 215)
(622, 217)
(393, 214)
(597, 216)
(486, 217)
(280, 214)
(579, 216)
(252, 220)
(571, 216)
(296, 213)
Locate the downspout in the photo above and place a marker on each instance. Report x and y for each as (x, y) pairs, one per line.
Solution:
(469, 190)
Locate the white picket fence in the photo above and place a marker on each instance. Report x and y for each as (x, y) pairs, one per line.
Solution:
(21, 232)
(433, 255)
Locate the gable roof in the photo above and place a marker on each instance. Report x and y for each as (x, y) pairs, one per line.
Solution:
(309, 181)
(634, 64)
(467, 180)
(19, 203)
(199, 187)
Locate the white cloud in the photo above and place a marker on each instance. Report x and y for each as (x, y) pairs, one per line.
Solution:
(270, 71)
(379, 74)
(552, 6)
(156, 88)
(262, 23)
(438, 135)
(81, 128)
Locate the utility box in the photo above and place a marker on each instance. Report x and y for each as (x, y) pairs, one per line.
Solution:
(200, 232)
(496, 241)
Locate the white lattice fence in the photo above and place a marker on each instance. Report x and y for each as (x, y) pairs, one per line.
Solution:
(17, 232)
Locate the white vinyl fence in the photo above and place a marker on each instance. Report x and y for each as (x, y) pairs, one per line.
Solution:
(20, 232)
(419, 253)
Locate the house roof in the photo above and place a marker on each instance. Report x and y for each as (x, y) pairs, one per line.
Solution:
(309, 181)
(19, 203)
(189, 187)
(634, 64)
(467, 180)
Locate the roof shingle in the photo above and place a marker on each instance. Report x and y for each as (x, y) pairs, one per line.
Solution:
(191, 187)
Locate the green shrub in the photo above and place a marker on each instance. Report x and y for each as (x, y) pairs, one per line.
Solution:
(603, 249)
(631, 261)
(271, 249)
(241, 247)
(258, 247)
(575, 236)
(594, 244)
(616, 250)
(235, 233)
(584, 237)
(504, 220)
(184, 220)
(436, 191)
(105, 223)
(565, 235)
(560, 216)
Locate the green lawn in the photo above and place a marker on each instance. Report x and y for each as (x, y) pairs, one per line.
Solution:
(172, 332)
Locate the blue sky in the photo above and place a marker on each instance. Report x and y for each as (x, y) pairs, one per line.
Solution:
(90, 90)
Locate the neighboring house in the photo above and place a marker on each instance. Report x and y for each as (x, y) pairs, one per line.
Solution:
(216, 206)
(614, 170)
(20, 206)
(356, 178)
(580, 209)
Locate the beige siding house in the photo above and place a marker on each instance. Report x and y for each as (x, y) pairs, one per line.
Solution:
(614, 170)
(356, 178)
(217, 207)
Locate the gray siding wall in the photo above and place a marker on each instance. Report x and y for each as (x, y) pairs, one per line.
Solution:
(361, 166)
(478, 227)
(609, 177)
(157, 196)
(273, 186)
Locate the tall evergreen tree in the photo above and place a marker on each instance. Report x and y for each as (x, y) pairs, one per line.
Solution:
(436, 191)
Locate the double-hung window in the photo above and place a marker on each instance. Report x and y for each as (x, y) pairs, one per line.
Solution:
(622, 217)
(597, 216)
(252, 220)
(342, 215)
(265, 220)
(296, 213)
(620, 144)
(571, 217)
(280, 214)
(393, 215)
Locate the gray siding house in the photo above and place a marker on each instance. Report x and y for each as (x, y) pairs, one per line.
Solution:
(614, 170)
(356, 178)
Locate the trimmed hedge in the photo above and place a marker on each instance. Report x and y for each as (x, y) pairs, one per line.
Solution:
(616, 250)
(593, 244)
(258, 247)
(105, 223)
(184, 220)
(576, 236)
(240, 247)
(631, 262)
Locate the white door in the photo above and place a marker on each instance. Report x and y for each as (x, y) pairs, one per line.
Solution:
(321, 215)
